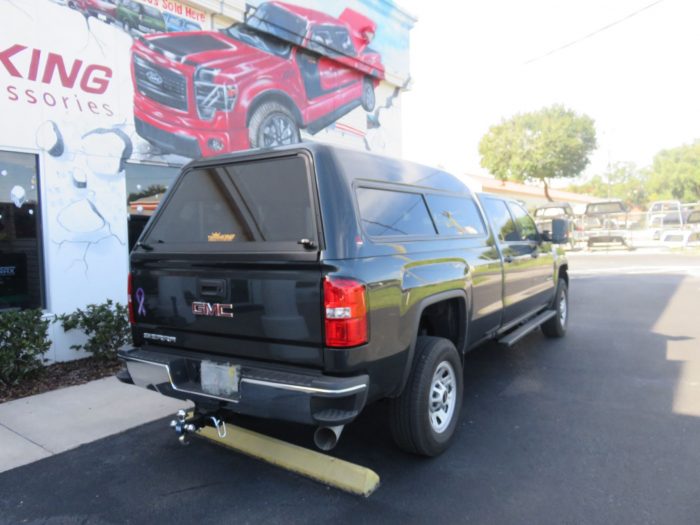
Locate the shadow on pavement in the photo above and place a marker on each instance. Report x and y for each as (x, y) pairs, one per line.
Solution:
(577, 430)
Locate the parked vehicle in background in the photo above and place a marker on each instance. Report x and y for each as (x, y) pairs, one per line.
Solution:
(692, 222)
(558, 210)
(139, 19)
(198, 94)
(302, 283)
(689, 233)
(104, 10)
(663, 215)
(605, 222)
(661, 212)
(177, 24)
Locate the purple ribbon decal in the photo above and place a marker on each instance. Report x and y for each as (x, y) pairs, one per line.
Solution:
(141, 297)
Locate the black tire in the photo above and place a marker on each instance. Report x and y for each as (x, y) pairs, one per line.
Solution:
(271, 125)
(412, 419)
(556, 326)
(368, 99)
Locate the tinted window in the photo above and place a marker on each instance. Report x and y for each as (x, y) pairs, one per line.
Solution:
(258, 40)
(455, 215)
(249, 202)
(152, 11)
(501, 220)
(386, 213)
(145, 187)
(331, 41)
(525, 224)
(20, 251)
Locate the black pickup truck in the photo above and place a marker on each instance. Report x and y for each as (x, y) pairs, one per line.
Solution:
(305, 282)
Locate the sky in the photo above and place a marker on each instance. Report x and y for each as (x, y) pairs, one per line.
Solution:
(638, 80)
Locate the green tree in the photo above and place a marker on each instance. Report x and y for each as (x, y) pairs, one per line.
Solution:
(551, 143)
(153, 189)
(675, 174)
(621, 181)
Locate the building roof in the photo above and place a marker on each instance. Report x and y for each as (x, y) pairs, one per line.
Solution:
(530, 193)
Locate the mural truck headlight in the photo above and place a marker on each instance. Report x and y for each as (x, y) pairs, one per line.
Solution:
(212, 96)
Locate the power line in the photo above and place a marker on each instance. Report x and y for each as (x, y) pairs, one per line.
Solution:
(589, 35)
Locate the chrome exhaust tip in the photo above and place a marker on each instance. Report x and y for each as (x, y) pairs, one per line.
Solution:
(326, 438)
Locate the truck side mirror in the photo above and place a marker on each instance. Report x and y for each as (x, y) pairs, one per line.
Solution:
(560, 231)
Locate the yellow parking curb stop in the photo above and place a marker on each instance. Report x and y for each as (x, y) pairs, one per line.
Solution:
(320, 467)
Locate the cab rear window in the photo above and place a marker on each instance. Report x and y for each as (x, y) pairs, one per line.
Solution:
(387, 213)
(605, 207)
(456, 215)
(239, 206)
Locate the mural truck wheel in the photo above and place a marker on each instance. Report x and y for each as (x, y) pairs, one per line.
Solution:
(368, 98)
(272, 125)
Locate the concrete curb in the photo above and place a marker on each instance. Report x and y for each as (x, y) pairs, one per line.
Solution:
(36, 427)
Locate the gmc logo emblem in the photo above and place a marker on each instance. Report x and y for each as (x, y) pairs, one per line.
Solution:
(212, 309)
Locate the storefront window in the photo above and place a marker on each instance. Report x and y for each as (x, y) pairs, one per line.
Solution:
(145, 186)
(20, 244)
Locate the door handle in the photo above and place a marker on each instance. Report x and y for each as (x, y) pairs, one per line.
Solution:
(508, 259)
(212, 287)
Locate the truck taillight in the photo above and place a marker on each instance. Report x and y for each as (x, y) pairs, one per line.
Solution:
(345, 312)
(130, 302)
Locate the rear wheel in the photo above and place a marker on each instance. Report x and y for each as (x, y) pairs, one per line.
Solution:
(368, 99)
(272, 125)
(424, 417)
(556, 326)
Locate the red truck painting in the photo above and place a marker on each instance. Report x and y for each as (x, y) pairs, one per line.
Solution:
(254, 84)
(105, 10)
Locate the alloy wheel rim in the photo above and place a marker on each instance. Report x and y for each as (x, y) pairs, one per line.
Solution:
(369, 95)
(563, 307)
(443, 397)
(278, 130)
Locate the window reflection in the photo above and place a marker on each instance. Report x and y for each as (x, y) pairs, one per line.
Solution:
(20, 252)
(145, 186)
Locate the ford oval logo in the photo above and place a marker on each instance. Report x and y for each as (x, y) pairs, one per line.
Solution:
(154, 77)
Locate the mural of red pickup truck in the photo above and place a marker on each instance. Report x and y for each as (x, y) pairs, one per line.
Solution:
(254, 84)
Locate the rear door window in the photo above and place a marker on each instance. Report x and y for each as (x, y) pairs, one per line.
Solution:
(241, 206)
(387, 213)
(455, 215)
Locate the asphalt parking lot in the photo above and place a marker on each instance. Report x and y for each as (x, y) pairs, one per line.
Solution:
(602, 426)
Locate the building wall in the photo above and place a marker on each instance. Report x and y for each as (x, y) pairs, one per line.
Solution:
(67, 98)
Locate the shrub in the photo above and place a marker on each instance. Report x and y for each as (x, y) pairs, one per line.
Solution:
(106, 326)
(23, 341)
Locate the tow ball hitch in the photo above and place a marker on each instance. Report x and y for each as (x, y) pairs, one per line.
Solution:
(186, 424)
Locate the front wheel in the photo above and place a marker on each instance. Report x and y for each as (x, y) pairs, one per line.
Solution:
(272, 125)
(556, 326)
(425, 416)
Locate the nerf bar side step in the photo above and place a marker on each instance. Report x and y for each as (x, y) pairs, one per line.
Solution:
(516, 335)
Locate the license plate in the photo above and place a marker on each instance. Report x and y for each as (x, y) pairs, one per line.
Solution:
(102, 17)
(219, 379)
